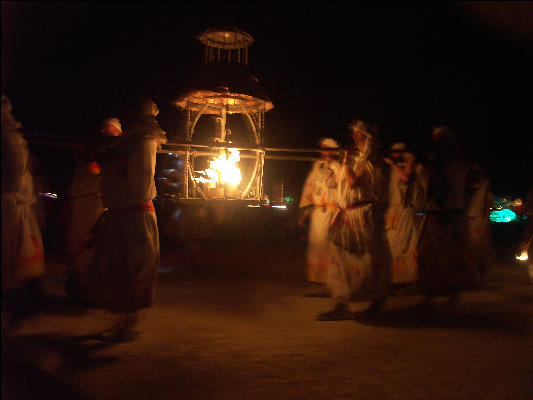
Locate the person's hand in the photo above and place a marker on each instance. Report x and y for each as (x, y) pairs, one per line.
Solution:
(346, 156)
(302, 220)
(93, 168)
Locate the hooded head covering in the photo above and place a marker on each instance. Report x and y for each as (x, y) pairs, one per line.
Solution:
(371, 131)
(328, 143)
(111, 127)
(398, 146)
(9, 122)
(6, 105)
(442, 130)
(145, 123)
(368, 128)
(148, 107)
(447, 140)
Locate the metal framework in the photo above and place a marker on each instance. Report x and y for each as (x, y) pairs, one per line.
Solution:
(253, 189)
(228, 47)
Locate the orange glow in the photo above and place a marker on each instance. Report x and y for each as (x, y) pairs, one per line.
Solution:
(222, 170)
(223, 101)
(523, 256)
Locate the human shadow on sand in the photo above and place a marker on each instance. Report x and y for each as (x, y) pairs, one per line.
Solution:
(61, 305)
(503, 320)
(40, 366)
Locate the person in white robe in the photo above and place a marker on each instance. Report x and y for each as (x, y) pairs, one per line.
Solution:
(85, 205)
(22, 246)
(122, 269)
(357, 270)
(318, 205)
(403, 219)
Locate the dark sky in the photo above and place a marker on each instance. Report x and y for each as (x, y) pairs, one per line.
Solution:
(405, 65)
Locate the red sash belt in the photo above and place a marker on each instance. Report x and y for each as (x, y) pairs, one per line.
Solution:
(327, 206)
(357, 205)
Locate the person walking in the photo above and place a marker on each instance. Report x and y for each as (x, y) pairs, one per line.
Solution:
(443, 250)
(478, 234)
(356, 268)
(403, 219)
(317, 205)
(22, 246)
(85, 204)
(122, 269)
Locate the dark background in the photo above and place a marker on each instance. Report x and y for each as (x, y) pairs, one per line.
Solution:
(405, 65)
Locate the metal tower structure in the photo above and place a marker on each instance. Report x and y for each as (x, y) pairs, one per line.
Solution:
(225, 86)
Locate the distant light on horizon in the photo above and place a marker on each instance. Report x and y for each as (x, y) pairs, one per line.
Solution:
(49, 195)
(503, 215)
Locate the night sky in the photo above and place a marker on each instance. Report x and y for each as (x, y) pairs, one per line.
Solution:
(405, 65)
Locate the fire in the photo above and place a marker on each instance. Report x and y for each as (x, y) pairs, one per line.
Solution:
(222, 169)
(522, 256)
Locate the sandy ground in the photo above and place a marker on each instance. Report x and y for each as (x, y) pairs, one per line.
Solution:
(233, 322)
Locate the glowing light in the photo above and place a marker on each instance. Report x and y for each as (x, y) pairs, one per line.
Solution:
(222, 169)
(522, 256)
(503, 215)
(223, 101)
(253, 205)
(284, 207)
(49, 195)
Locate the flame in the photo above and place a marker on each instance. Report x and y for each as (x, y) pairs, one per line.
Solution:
(222, 169)
(522, 256)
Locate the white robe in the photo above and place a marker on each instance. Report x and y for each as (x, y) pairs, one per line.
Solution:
(318, 197)
(356, 270)
(122, 269)
(85, 208)
(403, 224)
(22, 247)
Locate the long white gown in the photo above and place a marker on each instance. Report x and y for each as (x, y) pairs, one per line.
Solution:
(357, 269)
(318, 198)
(122, 268)
(22, 246)
(403, 224)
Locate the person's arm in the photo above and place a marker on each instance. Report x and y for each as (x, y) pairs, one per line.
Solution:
(357, 176)
(14, 161)
(141, 169)
(306, 200)
(404, 170)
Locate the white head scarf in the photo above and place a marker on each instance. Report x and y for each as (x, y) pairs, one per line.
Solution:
(111, 127)
(328, 143)
(146, 124)
(371, 131)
